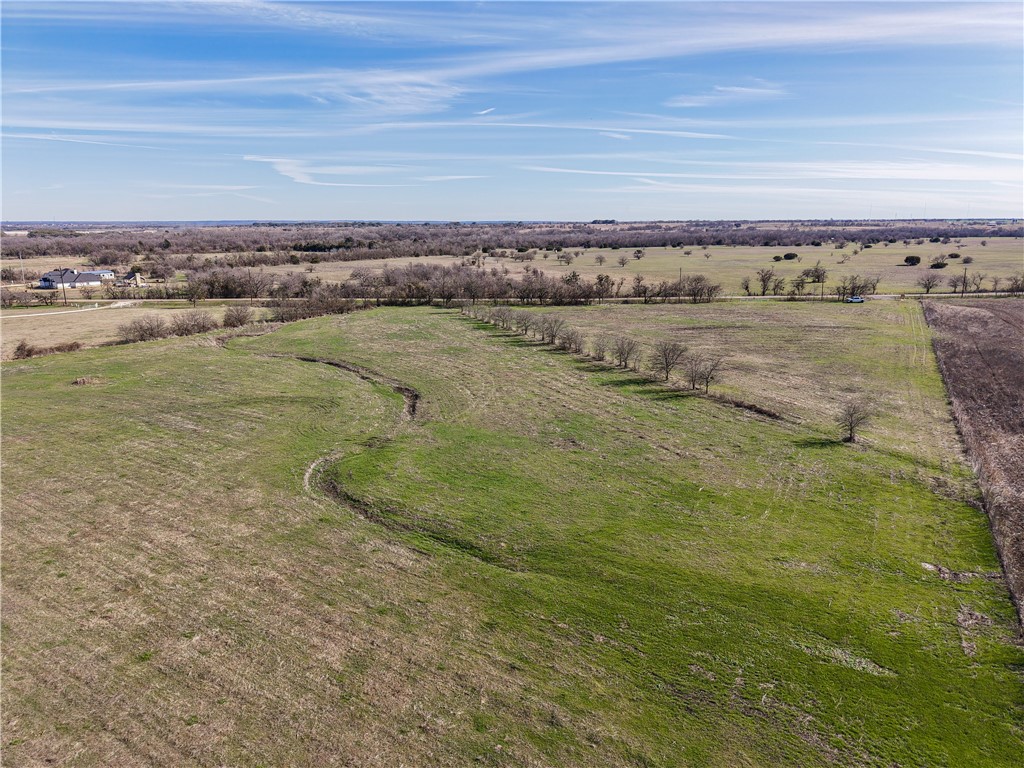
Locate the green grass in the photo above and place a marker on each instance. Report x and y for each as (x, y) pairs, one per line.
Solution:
(573, 565)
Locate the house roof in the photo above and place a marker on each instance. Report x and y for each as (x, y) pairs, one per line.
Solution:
(55, 274)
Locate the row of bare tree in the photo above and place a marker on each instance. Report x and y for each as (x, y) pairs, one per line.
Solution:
(699, 370)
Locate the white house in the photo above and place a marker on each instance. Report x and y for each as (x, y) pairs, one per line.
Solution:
(56, 277)
(72, 278)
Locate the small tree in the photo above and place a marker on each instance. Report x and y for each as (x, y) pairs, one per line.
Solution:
(693, 364)
(912, 261)
(766, 278)
(599, 259)
(195, 292)
(929, 281)
(625, 349)
(623, 260)
(667, 355)
(853, 415)
(711, 371)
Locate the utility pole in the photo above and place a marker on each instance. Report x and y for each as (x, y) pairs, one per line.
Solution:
(63, 287)
(963, 285)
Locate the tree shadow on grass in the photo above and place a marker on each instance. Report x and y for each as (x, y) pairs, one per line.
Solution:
(677, 394)
(818, 442)
(626, 380)
(521, 341)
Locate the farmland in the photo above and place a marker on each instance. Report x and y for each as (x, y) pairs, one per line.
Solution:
(727, 252)
(979, 348)
(57, 325)
(264, 559)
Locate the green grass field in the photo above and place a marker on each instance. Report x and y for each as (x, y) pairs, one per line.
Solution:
(564, 564)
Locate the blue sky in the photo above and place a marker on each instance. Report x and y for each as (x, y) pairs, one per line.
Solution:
(247, 109)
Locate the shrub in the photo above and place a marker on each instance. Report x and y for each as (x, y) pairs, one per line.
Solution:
(322, 302)
(144, 328)
(236, 317)
(192, 322)
(24, 350)
(967, 260)
(67, 346)
(953, 256)
(912, 261)
(790, 256)
(776, 258)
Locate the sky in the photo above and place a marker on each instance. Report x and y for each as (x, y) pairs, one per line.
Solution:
(247, 109)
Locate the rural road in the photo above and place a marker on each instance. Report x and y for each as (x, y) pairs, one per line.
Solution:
(116, 305)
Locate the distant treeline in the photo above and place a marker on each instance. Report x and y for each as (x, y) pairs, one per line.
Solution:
(261, 244)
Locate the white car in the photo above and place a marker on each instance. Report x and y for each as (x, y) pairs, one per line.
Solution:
(855, 300)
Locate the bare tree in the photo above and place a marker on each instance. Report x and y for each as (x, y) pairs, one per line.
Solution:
(599, 259)
(625, 350)
(928, 281)
(692, 365)
(667, 355)
(256, 284)
(816, 274)
(599, 348)
(853, 415)
(766, 278)
(711, 371)
(623, 260)
(195, 291)
(550, 326)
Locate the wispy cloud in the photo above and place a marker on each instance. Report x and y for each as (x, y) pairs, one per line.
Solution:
(614, 135)
(449, 178)
(910, 170)
(78, 140)
(302, 172)
(728, 94)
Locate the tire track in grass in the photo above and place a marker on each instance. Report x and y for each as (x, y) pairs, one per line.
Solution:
(314, 484)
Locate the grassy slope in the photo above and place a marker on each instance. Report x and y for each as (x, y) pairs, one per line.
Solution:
(600, 572)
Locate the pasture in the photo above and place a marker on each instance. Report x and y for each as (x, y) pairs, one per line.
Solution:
(268, 560)
(1000, 257)
(728, 265)
(49, 326)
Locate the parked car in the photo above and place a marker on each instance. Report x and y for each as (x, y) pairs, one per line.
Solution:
(855, 300)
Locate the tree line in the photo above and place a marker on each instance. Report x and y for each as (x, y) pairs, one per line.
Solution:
(273, 244)
(699, 370)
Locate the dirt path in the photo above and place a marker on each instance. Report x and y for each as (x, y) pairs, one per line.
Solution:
(115, 305)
